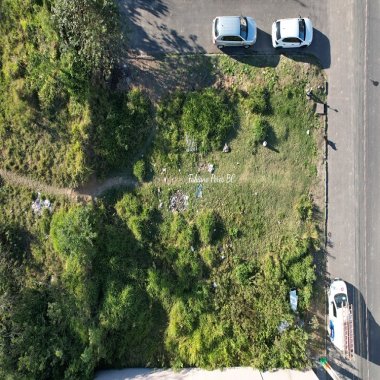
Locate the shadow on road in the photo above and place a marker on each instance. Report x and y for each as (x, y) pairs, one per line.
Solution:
(321, 48)
(165, 38)
(364, 324)
(261, 54)
(318, 53)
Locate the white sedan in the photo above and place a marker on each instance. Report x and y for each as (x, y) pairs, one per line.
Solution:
(234, 31)
(292, 33)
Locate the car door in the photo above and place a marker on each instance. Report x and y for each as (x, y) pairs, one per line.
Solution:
(291, 42)
(332, 318)
(232, 41)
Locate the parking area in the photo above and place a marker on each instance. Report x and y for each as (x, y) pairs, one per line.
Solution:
(181, 26)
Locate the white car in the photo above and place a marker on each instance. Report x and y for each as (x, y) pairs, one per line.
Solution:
(338, 305)
(292, 33)
(234, 31)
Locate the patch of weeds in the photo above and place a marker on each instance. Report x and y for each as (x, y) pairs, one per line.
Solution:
(304, 208)
(259, 101)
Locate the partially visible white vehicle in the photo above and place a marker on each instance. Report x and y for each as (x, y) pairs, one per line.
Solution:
(340, 318)
(292, 33)
(234, 31)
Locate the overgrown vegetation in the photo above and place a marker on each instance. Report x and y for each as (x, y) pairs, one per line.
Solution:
(125, 280)
(61, 116)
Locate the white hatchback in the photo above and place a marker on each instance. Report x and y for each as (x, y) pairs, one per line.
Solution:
(234, 31)
(292, 33)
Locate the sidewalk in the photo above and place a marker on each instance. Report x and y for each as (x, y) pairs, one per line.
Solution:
(239, 373)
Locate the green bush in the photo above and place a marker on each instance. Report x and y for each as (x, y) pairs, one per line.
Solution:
(139, 170)
(245, 272)
(207, 223)
(74, 232)
(128, 206)
(259, 129)
(136, 215)
(304, 208)
(208, 118)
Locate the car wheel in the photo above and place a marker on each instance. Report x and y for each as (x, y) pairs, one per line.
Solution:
(246, 46)
(220, 46)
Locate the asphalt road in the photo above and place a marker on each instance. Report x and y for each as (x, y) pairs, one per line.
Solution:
(369, 192)
(346, 39)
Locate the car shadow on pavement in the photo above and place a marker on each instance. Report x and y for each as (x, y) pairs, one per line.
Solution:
(364, 323)
(317, 53)
(260, 55)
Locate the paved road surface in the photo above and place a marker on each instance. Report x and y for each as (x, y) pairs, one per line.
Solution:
(369, 191)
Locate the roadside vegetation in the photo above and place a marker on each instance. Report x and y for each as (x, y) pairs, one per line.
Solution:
(194, 266)
(62, 115)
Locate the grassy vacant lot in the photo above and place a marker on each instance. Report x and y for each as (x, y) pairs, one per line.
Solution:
(127, 281)
(263, 206)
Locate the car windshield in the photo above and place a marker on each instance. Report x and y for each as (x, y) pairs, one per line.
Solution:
(243, 27)
(278, 34)
(302, 29)
(340, 300)
(216, 27)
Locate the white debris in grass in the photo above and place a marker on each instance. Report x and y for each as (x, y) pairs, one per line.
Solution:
(39, 205)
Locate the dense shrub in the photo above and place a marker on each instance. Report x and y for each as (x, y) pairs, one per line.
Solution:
(208, 118)
(91, 29)
(139, 170)
(59, 119)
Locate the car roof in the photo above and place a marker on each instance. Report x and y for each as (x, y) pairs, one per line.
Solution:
(289, 27)
(229, 25)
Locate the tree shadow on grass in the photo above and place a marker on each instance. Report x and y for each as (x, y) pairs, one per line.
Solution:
(271, 139)
(166, 73)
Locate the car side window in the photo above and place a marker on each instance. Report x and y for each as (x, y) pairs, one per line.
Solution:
(232, 38)
(334, 309)
(291, 39)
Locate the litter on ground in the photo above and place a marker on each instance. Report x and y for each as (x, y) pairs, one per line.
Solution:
(178, 201)
(199, 191)
(226, 148)
(191, 144)
(39, 205)
(283, 326)
(293, 299)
